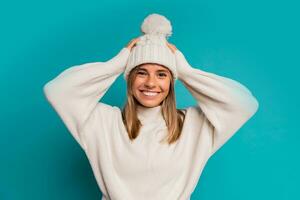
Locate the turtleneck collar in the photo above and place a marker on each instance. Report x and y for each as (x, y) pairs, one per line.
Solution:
(146, 114)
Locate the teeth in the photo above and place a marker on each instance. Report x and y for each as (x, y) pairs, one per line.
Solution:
(150, 93)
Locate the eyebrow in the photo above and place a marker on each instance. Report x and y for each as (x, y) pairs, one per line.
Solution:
(160, 70)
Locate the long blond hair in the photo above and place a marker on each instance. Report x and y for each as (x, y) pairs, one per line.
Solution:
(173, 117)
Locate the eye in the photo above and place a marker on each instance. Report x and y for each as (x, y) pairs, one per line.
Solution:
(141, 73)
(162, 74)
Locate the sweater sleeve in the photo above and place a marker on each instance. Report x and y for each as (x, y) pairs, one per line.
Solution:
(75, 92)
(225, 103)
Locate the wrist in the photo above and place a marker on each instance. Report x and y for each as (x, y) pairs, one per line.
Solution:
(182, 66)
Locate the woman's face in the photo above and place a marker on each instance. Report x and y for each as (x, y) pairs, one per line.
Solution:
(151, 85)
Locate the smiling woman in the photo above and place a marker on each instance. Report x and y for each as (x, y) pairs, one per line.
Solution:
(151, 85)
(150, 150)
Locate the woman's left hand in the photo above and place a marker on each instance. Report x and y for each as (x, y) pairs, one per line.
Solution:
(172, 47)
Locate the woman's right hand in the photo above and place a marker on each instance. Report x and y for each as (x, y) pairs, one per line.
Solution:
(132, 43)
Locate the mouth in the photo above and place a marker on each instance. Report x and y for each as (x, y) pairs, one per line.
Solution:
(149, 93)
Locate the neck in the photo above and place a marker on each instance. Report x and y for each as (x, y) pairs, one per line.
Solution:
(149, 114)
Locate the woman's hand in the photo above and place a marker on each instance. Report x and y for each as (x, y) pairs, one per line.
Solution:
(172, 47)
(182, 65)
(132, 43)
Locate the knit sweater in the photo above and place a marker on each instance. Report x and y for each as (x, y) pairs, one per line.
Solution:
(145, 169)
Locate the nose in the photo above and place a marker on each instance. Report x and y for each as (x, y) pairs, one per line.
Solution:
(150, 81)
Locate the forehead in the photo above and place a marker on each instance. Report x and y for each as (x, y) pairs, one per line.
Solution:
(152, 66)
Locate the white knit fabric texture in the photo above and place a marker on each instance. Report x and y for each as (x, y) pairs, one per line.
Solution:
(151, 49)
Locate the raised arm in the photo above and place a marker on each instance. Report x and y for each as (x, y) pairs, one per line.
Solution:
(76, 91)
(226, 103)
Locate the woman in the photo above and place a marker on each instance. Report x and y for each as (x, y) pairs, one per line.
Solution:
(150, 149)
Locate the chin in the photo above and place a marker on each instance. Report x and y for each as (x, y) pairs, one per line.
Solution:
(149, 104)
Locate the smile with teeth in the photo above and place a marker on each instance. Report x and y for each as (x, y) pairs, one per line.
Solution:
(150, 93)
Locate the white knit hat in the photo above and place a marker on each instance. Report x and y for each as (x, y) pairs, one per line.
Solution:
(152, 47)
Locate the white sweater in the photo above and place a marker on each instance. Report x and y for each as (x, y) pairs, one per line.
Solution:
(145, 169)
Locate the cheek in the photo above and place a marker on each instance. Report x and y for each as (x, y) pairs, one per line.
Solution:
(165, 85)
(137, 83)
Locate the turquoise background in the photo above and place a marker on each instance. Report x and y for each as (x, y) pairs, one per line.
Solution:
(254, 42)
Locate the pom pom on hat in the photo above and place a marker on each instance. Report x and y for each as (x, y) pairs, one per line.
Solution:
(156, 24)
(152, 47)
